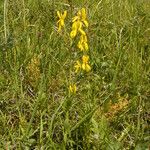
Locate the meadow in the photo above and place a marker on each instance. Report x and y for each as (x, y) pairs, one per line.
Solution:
(74, 75)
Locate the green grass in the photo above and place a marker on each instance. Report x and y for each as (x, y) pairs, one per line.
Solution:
(36, 109)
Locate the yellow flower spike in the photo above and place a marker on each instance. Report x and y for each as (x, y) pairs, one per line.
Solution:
(85, 65)
(83, 15)
(77, 66)
(73, 88)
(85, 58)
(82, 38)
(75, 27)
(58, 14)
(86, 46)
(80, 46)
(64, 15)
(86, 23)
(79, 24)
(85, 38)
(75, 18)
(81, 31)
(73, 33)
(61, 22)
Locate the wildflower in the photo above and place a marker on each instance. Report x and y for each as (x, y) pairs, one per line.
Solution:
(77, 66)
(81, 15)
(73, 88)
(85, 65)
(77, 26)
(61, 20)
(78, 22)
(82, 44)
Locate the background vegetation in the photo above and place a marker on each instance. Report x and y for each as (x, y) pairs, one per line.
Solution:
(110, 110)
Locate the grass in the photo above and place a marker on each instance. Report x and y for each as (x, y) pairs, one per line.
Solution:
(110, 110)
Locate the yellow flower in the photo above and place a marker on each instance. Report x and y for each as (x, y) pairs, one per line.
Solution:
(82, 44)
(85, 65)
(78, 22)
(75, 18)
(81, 31)
(61, 20)
(83, 16)
(86, 46)
(76, 26)
(85, 58)
(73, 33)
(77, 66)
(73, 88)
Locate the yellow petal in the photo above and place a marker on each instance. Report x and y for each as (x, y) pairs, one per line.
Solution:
(73, 33)
(58, 14)
(79, 24)
(86, 23)
(85, 38)
(75, 18)
(87, 67)
(74, 26)
(83, 66)
(62, 22)
(80, 46)
(82, 38)
(86, 46)
(83, 13)
(74, 88)
(64, 15)
(82, 32)
(77, 66)
(70, 89)
(85, 58)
